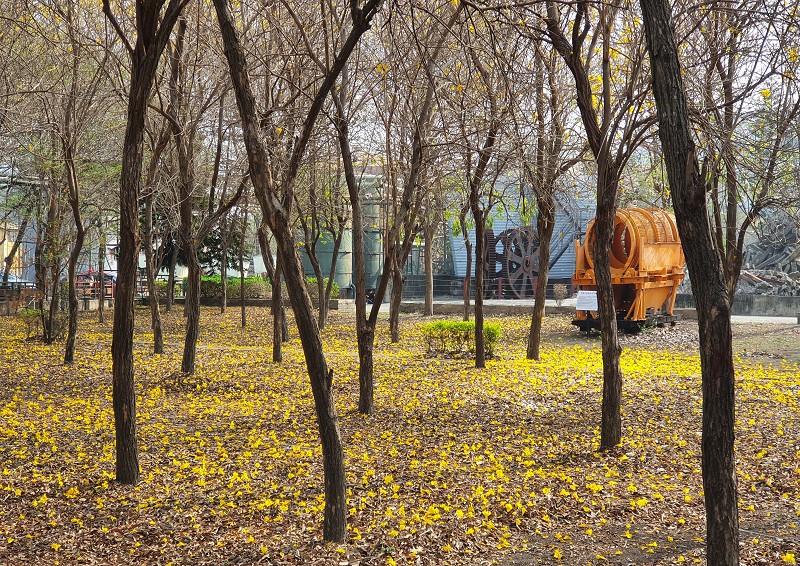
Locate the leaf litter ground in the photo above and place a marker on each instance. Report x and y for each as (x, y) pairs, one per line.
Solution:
(456, 466)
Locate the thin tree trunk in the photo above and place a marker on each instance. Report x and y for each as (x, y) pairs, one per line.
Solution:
(72, 268)
(480, 342)
(241, 287)
(545, 223)
(150, 263)
(708, 286)
(101, 270)
(185, 208)
(395, 301)
(608, 171)
(323, 307)
(192, 307)
(429, 234)
(468, 268)
(545, 219)
(155, 313)
(321, 304)
(279, 220)
(53, 264)
(173, 260)
(51, 323)
(223, 270)
(241, 265)
(277, 315)
(68, 136)
(611, 419)
(365, 328)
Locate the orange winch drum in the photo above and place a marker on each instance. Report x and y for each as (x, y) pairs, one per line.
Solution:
(647, 263)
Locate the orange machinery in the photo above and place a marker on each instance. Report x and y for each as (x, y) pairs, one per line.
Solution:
(647, 265)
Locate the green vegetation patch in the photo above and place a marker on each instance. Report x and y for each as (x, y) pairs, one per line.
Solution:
(456, 338)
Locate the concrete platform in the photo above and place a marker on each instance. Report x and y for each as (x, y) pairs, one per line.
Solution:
(520, 307)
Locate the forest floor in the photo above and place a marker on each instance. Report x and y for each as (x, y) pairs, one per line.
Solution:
(456, 465)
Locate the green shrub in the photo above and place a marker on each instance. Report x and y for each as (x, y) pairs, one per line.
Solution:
(32, 318)
(161, 289)
(311, 285)
(254, 287)
(456, 338)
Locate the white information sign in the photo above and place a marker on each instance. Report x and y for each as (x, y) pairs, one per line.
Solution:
(586, 301)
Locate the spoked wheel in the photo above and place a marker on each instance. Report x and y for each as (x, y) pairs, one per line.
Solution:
(521, 260)
(493, 266)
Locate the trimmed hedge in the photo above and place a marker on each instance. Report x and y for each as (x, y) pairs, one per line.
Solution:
(455, 338)
(254, 287)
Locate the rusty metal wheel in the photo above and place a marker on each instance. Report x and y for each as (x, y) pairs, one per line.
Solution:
(521, 259)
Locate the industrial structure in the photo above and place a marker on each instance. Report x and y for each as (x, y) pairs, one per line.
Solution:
(647, 265)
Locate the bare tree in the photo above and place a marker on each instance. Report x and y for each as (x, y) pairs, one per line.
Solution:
(153, 257)
(481, 99)
(399, 236)
(543, 165)
(272, 195)
(185, 122)
(611, 105)
(78, 103)
(323, 215)
(744, 75)
(689, 189)
(153, 28)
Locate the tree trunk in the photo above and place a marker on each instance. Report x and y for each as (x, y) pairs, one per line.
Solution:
(53, 271)
(223, 270)
(395, 301)
(74, 256)
(365, 327)
(468, 269)
(322, 304)
(323, 307)
(335, 527)
(189, 244)
(277, 314)
(153, 33)
(366, 381)
(241, 286)
(72, 268)
(50, 325)
(155, 313)
(101, 271)
(708, 286)
(173, 260)
(545, 223)
(611, 419)
(192, 310)
(241, 265)
(429, 233)
(278, 218)
(480, 342)
(124, 394)
(68, 136)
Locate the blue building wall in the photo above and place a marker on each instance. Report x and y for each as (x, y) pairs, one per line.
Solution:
(569, 227)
